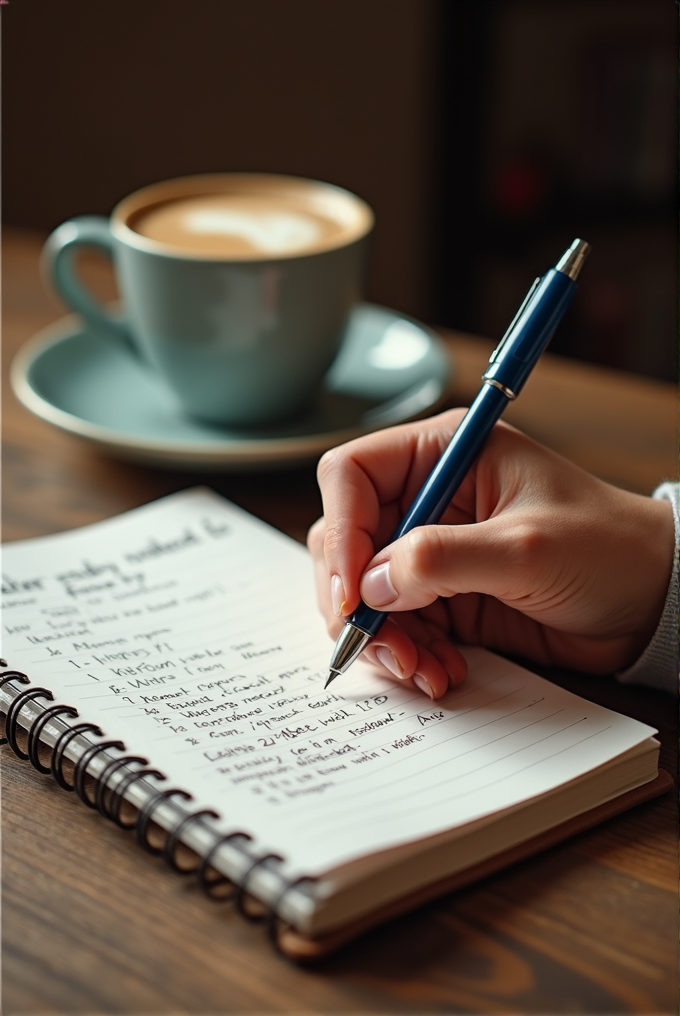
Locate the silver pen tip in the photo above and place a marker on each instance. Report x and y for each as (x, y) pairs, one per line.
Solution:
(331, 677)
(572, 260)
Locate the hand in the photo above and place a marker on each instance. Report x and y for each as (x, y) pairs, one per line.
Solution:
(534, 557)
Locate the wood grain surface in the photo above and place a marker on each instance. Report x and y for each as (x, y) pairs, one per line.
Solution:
(93, 925)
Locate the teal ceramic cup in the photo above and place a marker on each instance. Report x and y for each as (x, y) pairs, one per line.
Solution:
(235, 288)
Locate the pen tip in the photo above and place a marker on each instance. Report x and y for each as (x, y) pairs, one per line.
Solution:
(331, 677)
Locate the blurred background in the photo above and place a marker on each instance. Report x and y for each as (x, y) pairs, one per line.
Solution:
(486, 134)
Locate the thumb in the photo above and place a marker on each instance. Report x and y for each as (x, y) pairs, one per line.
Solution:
(435, 561)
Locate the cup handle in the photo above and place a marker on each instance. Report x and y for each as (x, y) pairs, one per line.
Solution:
(58, 268)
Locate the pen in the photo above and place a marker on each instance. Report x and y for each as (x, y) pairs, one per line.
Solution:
(510, 364)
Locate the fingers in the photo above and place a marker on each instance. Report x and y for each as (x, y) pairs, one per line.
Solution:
(315, 543)
(432, 669)
(441, 561)
(366, 486)
(411, 649)
(541, 548)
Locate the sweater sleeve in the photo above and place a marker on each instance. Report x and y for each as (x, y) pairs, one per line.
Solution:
(658, 665)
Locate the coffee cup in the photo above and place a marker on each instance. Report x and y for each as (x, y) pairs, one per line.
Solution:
(235, 288)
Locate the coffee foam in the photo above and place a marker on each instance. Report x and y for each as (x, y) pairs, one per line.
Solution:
(242, 225)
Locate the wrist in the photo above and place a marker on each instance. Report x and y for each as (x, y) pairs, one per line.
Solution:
(650, 561)
(658, 664)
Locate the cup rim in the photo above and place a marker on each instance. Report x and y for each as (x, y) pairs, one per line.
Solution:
(205, 183)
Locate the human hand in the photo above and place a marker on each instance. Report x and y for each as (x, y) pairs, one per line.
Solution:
(534, 556)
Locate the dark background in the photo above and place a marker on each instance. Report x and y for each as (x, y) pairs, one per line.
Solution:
(486, 135)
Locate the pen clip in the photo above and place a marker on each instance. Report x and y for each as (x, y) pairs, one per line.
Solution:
(516, 318)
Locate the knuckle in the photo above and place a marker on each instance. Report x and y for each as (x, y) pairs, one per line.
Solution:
(530, 545)
(328, 465)
(315, 537)
(333, 541)
(425, 551)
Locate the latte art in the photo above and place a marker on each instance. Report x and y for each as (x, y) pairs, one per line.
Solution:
(246, 225)
(270, 232)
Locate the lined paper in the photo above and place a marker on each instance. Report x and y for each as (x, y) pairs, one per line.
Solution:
(189, 630)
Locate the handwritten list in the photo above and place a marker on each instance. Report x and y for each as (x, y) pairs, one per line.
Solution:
(189, 630)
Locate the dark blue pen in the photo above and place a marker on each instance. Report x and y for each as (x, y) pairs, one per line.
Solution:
(509, 366)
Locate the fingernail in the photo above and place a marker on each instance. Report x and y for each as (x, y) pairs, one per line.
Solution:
(337, 595)
(376, 588)
(421, 683)
(389, 660)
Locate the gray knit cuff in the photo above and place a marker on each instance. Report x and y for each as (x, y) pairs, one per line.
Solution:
(658, 665)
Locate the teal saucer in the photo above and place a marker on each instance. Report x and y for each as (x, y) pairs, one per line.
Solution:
(390, 369)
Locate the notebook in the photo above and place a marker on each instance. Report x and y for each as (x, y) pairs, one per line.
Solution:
(168, 666)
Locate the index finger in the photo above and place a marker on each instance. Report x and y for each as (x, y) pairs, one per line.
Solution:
(366, 486)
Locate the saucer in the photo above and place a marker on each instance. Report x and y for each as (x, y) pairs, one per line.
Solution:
(390, 369)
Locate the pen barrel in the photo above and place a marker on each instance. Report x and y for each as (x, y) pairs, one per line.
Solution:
(510, 365)
(443, 482)
(454, 465)
(368, 619)
(515, 357)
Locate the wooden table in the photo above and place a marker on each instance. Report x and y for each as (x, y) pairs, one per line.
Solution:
(93, 925)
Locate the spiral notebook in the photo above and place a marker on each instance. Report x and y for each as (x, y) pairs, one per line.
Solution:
(168, 666)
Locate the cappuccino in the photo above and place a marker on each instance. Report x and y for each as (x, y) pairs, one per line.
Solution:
(236, 287)
(248, 222)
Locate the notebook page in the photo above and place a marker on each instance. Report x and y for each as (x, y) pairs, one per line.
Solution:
(189, 630)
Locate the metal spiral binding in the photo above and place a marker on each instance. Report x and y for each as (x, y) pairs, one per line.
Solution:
(83, 762)
(118, 796)
(104, 777)
(57, 758)
(242, 890)
(170, 848)
(276, 925)
(11, 675)
(211, 886)
(145, 813)
(12, 715)
(36, 730)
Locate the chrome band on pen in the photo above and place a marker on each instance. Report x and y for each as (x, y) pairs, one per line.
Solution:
(572, 260)
(501, 388)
